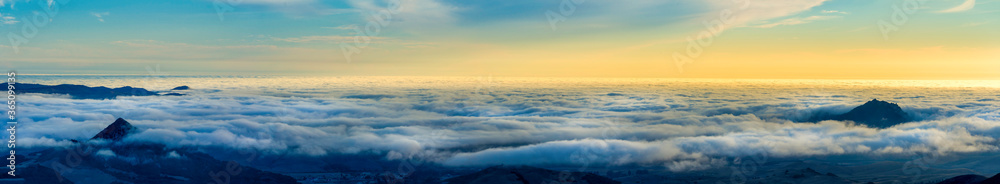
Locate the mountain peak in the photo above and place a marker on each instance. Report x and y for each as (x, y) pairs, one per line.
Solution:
(116, 131)
(876, 101)
(876, 113)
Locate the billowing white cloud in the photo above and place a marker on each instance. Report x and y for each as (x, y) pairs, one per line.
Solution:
(679, 125)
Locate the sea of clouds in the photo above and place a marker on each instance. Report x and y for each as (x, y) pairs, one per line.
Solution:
(480, 121)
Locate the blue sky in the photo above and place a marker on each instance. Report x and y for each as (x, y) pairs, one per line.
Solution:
(514, 38)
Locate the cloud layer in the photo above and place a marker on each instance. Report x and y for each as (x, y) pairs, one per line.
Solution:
(677, 124)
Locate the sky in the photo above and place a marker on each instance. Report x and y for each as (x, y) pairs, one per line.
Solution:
(796, 39)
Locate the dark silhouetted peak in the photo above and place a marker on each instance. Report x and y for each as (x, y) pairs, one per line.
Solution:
(527, 174)
(116, 131)
(875, 113)
(182, 88)
(992, 180)
(964, 179)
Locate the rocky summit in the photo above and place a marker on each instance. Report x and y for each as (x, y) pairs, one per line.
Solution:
(116, 131)
(874, 113)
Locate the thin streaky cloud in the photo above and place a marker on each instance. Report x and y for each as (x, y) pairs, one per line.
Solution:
(343, 27)
(973, 24)
(332, 39)
(965, 6)
(835, 11)
(100, 15)
(795, 21)
(5, 19)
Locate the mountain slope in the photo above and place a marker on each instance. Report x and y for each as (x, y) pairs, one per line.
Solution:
(128, 162)
(116, 131)
(964, 179)
(992, 180)
(527, 174)
(874, 113)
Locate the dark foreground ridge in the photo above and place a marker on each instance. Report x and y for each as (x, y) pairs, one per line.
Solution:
(527, 174)
(135, 162)
(972, 179)
(83, 92)
(874, 113)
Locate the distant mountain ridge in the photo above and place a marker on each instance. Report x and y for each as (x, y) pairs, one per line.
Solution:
(85, 92)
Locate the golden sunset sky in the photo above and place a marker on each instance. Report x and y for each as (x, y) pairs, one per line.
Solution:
(794, 39)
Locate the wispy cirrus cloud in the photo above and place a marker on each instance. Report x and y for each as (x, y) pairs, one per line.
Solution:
(6, 19)
(965, 6)
(330, 39)
(795, 21)
(100, 15)
(834, 11)
(163, 44)
(748, 12)
(973, 24)
(343, 27)
(278, 2)
(412, 14)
